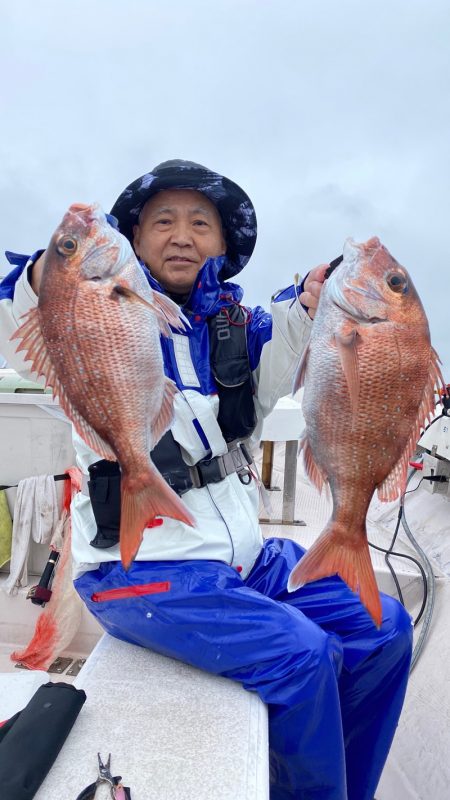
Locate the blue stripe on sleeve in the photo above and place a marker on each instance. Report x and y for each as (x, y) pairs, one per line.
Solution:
(8, 284)
(19, 261)
(259, 331)
(289, 293)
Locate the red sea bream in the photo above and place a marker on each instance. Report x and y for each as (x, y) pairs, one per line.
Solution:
(95, 338)
(369, 376)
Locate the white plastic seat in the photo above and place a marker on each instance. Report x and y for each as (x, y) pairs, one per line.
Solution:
(174, 732)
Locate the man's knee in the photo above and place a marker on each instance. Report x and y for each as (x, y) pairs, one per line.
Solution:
(397, 624)
(312, 660)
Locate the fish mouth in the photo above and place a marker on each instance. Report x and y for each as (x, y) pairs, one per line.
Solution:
(86, 213)
(76, 207)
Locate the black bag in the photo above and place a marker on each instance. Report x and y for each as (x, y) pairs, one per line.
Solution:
(31, 740)
(104, 487)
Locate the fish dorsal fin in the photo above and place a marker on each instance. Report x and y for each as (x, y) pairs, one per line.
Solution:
(165, 415)
(347, 347)
(313, 471)
(32, 342)
(395, 483)
(301, 370)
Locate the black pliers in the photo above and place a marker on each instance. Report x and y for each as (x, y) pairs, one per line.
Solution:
(117, 790)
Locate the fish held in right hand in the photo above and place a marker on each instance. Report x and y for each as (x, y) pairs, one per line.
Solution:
(95, 338)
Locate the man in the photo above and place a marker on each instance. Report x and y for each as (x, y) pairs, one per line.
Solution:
(215, 596)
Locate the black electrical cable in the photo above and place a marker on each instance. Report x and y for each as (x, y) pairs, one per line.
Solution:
(421, 570)
(386, 558)
(389, 551)
(411, 490)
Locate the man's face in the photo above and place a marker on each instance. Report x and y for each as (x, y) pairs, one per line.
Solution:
(178, 230)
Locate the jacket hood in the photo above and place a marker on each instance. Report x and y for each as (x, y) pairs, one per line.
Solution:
(233, 204)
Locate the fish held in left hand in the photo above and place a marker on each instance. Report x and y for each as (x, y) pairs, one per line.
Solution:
(95, 338)
(369, 377)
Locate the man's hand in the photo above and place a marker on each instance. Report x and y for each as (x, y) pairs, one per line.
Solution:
(312, 288)
(36, 273)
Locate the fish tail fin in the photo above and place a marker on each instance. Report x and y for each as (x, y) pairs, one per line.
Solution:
(138, 508)
(331, 555)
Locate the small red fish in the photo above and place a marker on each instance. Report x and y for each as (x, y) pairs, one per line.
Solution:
(369, 376)
(95, 338)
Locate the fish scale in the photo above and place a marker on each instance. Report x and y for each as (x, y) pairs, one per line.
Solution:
(369, 377)
(132, 362)
(95, 338)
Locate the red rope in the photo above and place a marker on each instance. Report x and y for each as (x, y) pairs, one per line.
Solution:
(248, 312)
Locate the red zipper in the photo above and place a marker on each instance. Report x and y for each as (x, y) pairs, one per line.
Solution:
(130, 591)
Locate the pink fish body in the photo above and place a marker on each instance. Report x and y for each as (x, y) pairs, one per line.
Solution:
(95, 339)
(369, 376)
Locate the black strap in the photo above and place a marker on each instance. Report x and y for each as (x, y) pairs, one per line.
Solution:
(333, 264)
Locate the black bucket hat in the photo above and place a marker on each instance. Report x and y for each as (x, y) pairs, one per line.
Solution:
(234, 206)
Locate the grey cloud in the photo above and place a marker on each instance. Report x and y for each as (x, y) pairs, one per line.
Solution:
(333, 116)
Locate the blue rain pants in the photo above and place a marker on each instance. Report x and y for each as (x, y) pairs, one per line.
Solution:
(334, 684)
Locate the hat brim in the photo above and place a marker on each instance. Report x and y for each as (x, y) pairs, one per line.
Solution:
(233, 204)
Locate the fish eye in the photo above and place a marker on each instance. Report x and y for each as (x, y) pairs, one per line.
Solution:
(397, 283)
(66, 245)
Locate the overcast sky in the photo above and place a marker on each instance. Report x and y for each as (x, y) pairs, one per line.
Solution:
(333, 115)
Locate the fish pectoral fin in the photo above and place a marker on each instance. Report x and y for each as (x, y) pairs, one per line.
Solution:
(32, 342)
(331, 555)
(301, 370)
(165, 415)
(395, 482)
(313, 471)
(123, 290)
(169, 313)
(347, 348)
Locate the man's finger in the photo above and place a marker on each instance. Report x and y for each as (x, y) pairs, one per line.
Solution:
(316, 275)
(314, 288)
(310, 301)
